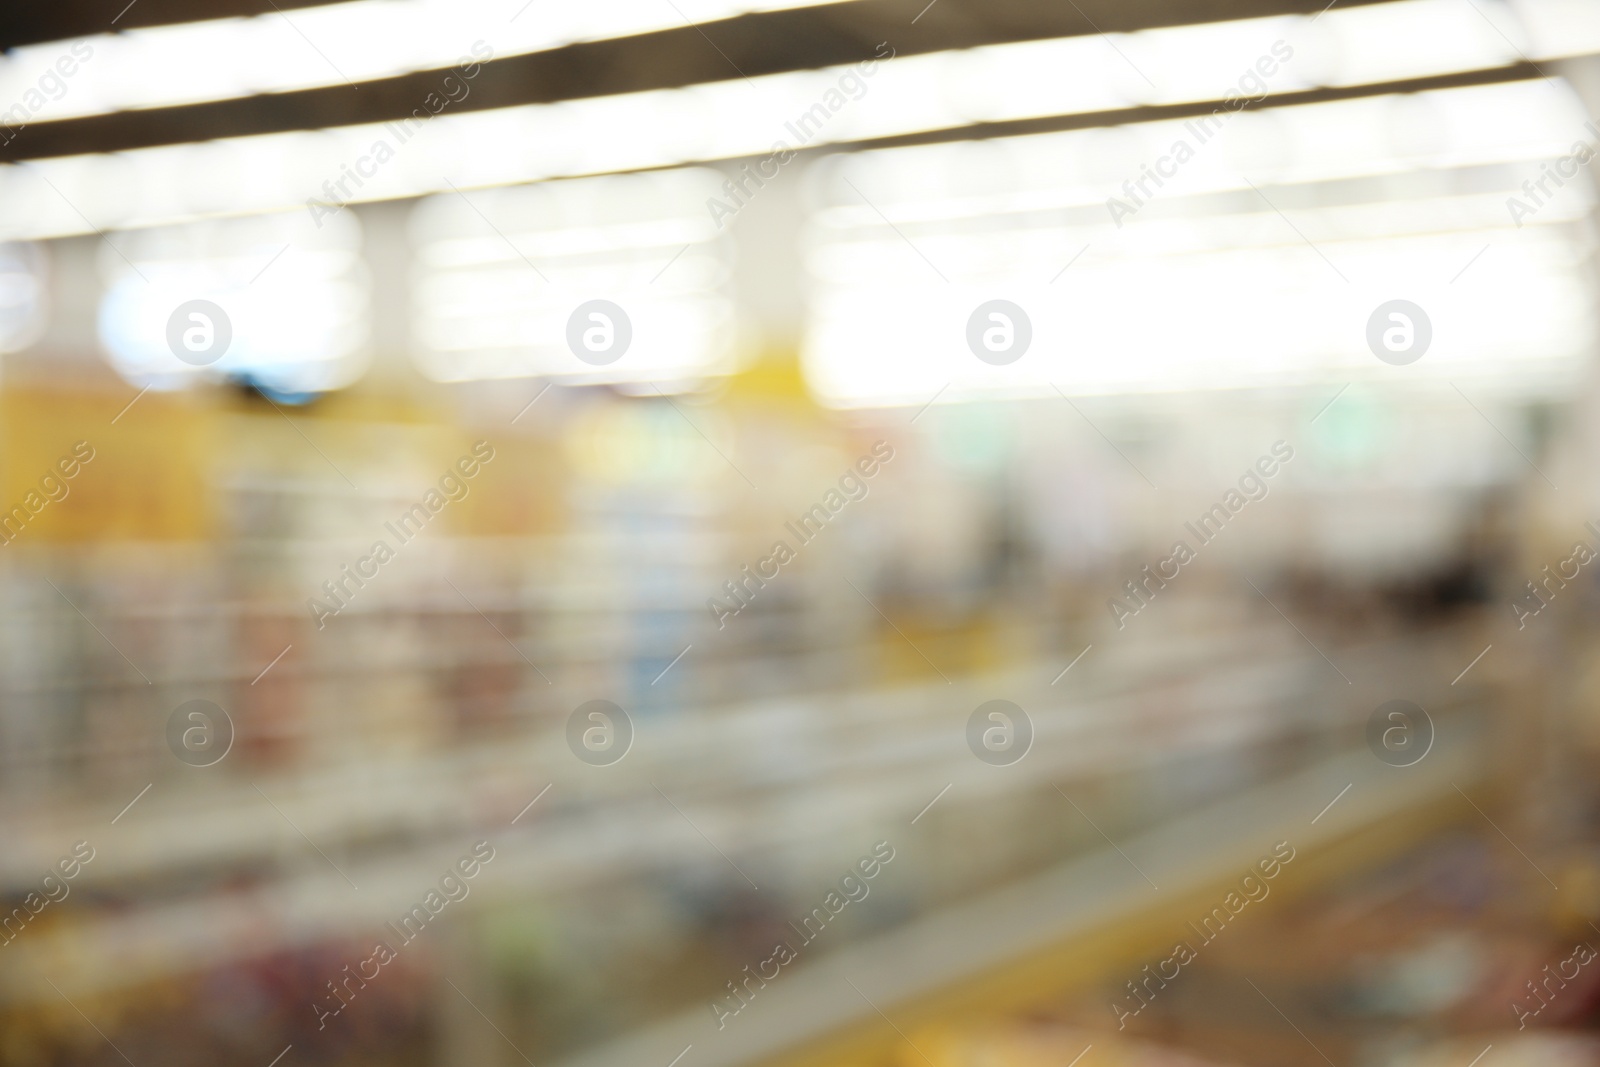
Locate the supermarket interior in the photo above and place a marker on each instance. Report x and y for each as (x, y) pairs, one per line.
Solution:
(517, 518)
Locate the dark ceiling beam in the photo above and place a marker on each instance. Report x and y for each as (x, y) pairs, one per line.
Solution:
(748, 46)
(1522, 71)
(24, 23)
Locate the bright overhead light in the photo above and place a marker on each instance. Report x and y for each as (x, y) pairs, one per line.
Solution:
(753, 117)
(1246, 296)
(316, 47)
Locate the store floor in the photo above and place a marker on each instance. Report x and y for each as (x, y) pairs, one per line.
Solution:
(1457, 953)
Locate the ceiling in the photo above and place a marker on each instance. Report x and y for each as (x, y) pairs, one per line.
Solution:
(748, 45)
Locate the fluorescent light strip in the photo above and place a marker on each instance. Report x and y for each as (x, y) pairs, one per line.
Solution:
(738, 118)
(1515, 123)
(316, 47)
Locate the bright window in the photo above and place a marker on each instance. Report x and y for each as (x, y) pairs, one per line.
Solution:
(22, 295)
(293, 298)
(506, 281)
